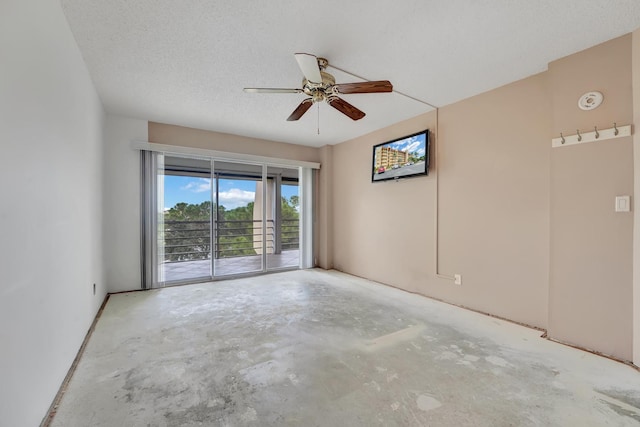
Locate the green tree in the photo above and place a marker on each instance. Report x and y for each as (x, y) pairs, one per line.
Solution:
(290, 222)
(186, 231)
(235, 231)
(294, 201)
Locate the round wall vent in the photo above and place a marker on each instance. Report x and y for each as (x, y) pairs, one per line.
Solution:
(590, 100)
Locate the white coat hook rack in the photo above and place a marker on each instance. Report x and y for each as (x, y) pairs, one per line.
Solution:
(597, 135)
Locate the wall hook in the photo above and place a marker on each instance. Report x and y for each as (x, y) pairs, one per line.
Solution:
(595, 134)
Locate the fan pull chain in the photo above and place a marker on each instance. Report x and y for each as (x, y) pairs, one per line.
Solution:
(318, 104)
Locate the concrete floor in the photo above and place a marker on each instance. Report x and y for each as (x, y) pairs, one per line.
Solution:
(317, 348)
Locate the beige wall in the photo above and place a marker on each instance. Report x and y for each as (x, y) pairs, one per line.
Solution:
(493, 197)
(324, 213)
(531, 230)
(636, 209)
(188, 137)
(590, 298)
(494, 200)
(382, 231)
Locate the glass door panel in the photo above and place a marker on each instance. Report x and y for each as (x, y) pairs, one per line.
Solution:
(238, 230)
(283, 218)
(211, 219)
(184, 220)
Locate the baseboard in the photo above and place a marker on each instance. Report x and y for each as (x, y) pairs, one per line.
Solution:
(63, 387)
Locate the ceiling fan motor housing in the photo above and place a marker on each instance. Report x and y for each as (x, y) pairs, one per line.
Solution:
(319, 91)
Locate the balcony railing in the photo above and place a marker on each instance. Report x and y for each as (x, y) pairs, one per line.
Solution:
(191, 240)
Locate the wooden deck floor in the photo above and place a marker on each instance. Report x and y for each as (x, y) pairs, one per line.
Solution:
(189, 270)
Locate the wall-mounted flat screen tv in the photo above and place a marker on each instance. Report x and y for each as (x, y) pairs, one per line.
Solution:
(401, 158)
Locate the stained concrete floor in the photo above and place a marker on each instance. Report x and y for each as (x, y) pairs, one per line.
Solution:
(317, 348)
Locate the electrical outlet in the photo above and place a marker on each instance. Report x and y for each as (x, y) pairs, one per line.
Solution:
(457, 279)
(94, 288)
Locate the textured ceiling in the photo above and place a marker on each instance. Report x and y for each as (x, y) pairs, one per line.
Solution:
(186, 62)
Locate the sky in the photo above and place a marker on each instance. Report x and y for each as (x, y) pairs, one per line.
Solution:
(233, 193)
(415, 143)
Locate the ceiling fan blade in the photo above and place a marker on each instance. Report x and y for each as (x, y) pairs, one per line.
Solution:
(309, 66)
(365, 87)
(300, 110)
(270, 90)
(345, 108)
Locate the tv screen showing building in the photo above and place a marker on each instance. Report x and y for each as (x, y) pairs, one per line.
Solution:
(401, 158)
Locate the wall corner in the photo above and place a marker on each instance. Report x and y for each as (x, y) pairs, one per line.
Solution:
(325, 209)
(635, 67)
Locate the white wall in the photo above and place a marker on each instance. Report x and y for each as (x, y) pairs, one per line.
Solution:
(122, 202)
(51, 126)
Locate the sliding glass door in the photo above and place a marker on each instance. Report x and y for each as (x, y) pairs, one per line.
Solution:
(184, 219)
(211, 218)
(283, 218)
(256, 226)
(238, 225)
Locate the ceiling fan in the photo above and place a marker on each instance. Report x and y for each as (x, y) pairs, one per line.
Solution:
(321, 86)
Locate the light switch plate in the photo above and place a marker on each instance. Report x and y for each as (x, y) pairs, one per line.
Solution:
(623, 203)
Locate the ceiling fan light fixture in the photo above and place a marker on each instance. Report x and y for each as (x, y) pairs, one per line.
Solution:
(318, 96)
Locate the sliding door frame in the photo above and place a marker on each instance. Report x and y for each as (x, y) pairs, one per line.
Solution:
(150, 217)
